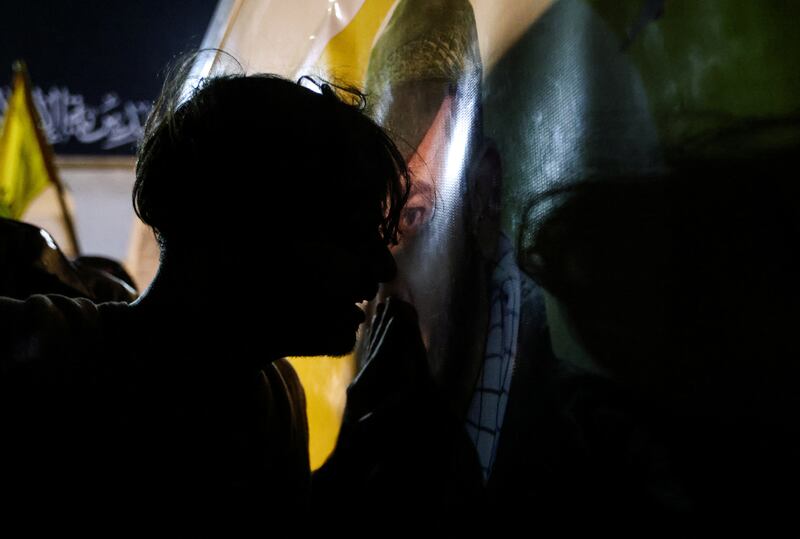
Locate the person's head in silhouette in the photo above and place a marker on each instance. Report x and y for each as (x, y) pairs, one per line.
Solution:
(274, 205)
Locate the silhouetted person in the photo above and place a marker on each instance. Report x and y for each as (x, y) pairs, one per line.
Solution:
(273, 205)
(32, 263)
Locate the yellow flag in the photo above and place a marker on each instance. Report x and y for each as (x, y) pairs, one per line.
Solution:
(25, 162)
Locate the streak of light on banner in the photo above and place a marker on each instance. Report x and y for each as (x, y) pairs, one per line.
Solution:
(325, 379)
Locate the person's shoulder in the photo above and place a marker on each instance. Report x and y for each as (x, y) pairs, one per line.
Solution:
(52, 324)
(55, 310)
(282, 376)
(288, 398)
(287, 429)
(51, 309)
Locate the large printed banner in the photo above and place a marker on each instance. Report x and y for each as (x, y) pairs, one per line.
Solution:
(494, 101)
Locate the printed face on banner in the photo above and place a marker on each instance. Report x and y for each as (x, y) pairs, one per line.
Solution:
(426, 164)
(424, 81)
(433, 247)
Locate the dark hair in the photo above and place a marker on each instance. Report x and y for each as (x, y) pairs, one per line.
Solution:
(205, 147)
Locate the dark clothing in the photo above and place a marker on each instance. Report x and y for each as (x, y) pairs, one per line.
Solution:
(410, 457)
(96, 409)
(414, 450)
(575, 448)
(580, 445)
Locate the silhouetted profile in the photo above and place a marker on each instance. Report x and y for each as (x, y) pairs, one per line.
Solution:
(273, 205)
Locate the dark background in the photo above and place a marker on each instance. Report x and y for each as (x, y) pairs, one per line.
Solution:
(98, 47)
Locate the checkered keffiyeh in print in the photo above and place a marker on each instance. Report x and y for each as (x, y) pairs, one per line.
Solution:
(488, 406)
